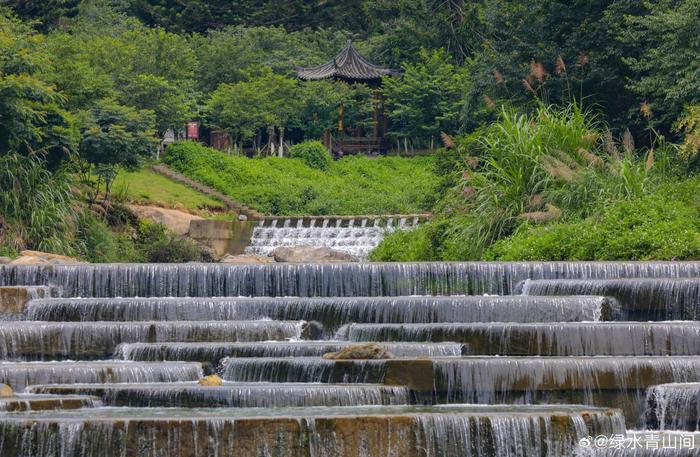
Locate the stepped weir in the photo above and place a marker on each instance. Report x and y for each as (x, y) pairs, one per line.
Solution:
(468, 359)
(356, 235)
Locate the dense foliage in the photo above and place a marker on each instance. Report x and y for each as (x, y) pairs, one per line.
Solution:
(553, 113)
(352, 185)
(562, 188)
(38, 210)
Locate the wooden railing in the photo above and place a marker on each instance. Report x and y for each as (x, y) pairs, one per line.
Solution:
(359, 146)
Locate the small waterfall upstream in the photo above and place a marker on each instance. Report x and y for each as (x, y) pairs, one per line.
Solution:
(463, 359)
(353, 235)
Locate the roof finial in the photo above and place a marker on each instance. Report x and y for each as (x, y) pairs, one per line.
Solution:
(350, 37)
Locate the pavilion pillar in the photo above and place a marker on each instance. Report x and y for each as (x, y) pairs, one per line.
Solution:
(375, 114)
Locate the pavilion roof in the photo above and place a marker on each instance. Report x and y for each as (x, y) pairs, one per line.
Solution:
(348, 65)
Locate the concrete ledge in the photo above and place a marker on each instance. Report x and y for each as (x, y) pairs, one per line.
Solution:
(305, 432)
(224, 237)
(14, 299)
(47, 402)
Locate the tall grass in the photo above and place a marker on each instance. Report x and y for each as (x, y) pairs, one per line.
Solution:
(36, 206)
(558, 164)
(521, 159)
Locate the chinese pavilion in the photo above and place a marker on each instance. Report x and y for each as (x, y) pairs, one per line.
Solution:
(352, 67)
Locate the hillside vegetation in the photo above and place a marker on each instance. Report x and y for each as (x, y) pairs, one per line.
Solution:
(352, 185)
(557, 185)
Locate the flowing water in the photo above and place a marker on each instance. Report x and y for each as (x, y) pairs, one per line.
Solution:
(555, 339)
(473, 359)
(214, 352)
(465, 431)
(657, 299)
(249, 395)
(331, 311)
(322, 280)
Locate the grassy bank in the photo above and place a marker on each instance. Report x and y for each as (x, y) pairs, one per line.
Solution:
(353, 185)
(145, 186)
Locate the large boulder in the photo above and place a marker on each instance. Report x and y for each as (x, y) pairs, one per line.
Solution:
(177, 222)
(28, 257)
(311, 254)
(364, 351)
(246, 259)
(29, 260)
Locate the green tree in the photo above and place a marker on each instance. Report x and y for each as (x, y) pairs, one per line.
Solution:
(229, 55)
(46, 12)
(202, 15)
(32, 117)
(171, 106)
(565, 50)
(267, 101)
(667, 74)
(427, 100)
(114, 135)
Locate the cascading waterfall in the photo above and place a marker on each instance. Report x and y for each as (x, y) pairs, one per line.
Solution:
(51, 340)
(322, 280)
(618, 381)
(332, 312)
(254, 395)
(214, 352)
(658, 299)
(18, 375)
(447, 432)
(302, 369)
(114, 366)
(674, 406)
(555, 339)
(43, 402)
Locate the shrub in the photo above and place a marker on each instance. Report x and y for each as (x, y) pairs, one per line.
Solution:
(660, 226)
(312, 153)
(159, 246)
(405, 246)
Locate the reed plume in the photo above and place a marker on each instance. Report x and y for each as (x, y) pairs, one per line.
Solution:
(559, 66)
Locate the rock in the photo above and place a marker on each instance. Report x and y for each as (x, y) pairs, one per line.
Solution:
(242, 217)
(29, 260)
(311, 254)
(372, 351)
(5, 260)
(246, 258)
(212, 380)
(45, 257)
(6, 391)
(177, 222)
(312, 330)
